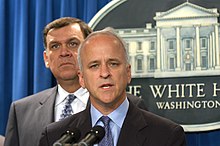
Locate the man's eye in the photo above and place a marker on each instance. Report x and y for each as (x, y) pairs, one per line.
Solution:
(113, 64)
(73, 44)
(54, 46)
(94, 66)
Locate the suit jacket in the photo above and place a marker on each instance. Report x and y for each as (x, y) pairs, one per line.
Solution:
(29, 116)
(140, 128)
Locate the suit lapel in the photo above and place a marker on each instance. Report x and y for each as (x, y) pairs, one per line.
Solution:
(82, 121)
(131, 130)
(46, 107)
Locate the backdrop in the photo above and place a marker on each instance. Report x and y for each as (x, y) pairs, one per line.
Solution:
(22, 70)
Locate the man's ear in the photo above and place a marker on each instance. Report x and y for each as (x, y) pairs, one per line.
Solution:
(129, 73)
(46, 59)
(81, 79)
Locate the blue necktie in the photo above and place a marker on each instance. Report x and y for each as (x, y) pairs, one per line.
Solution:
(107, 139)
(67, 109)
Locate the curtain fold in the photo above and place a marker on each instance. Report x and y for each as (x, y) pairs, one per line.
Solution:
(20, 52)
(3, 66)
(42, 76)
(22, 69)
(21, 58)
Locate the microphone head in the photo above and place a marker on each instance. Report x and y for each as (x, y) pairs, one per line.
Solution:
(75, 134)
(99, 132)
(70, 136)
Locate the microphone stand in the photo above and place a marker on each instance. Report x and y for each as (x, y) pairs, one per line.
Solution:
(65, 144)
(81, 144)
(68, 144)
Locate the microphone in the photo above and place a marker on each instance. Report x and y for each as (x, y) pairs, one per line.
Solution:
(94, 136)
(68, 137)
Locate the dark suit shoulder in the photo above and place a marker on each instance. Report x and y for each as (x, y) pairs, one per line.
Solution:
(169, 132)
(148, 118)
(150, 129)
(72, 121)
(55, 130)
(156, 120)
(137, 101)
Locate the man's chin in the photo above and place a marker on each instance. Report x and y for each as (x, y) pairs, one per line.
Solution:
(69, 76)
(67, 67)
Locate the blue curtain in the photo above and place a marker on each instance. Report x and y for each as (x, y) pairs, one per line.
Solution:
(22, 70)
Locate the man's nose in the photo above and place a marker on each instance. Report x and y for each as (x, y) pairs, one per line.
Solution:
(104, 71)
(65, 51)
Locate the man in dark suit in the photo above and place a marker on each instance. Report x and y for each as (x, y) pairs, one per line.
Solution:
(30, 115)
(105, 72)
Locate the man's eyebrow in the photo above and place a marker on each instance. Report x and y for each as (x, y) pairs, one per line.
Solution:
(74, 38)
(93, 61)
(68, 40)
(114, 59)
(53, 42)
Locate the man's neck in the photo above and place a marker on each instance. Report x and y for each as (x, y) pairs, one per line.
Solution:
(70, 86)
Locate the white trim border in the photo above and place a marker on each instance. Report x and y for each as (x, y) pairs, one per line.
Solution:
(201, 127)
(104, 11)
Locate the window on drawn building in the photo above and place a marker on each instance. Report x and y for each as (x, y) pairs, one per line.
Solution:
(188, 43)
(204, 62)
(152, 64)
(139, 48)
(139, 63)
(171, 44)
(171, 64)
(188, 66)
(203, 43)
(152, 45)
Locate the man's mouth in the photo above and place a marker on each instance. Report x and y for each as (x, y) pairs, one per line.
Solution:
(66, 63)
(106, 86)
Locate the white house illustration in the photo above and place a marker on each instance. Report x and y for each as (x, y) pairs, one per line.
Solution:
(184, 42)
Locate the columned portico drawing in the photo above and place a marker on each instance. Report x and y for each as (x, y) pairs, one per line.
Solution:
(178, 55)
(184, 40)
(217, 45)
(198, 53)
(158, 49)
(210, 52)
(214, 50)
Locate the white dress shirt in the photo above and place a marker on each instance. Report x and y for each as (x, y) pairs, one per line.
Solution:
(78, 105)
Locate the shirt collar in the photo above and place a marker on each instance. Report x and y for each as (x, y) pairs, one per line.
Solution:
(117, 116)
(81, 94)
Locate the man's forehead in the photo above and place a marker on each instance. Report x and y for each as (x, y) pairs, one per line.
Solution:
(75, 26)
(105, 39)
(72, 31)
